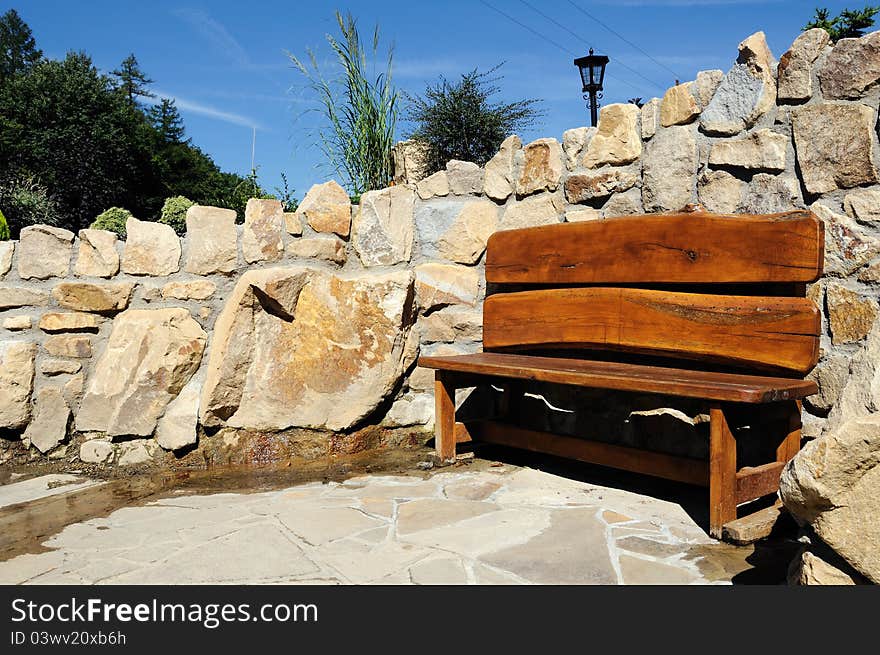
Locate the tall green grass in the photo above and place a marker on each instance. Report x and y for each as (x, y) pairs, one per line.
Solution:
(360, 111)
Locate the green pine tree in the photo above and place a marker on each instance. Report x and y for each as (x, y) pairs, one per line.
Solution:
(132, 80)
(848, 24)
(167, 121)
(18, 50)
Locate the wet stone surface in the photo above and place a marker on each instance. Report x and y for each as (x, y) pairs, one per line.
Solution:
(477, 524)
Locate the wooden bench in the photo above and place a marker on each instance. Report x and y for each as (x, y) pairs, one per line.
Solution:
(719, 301)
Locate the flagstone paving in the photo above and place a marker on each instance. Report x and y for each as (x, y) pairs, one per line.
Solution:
(507, 525)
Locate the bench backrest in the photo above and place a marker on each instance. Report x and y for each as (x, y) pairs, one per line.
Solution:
(721, 289)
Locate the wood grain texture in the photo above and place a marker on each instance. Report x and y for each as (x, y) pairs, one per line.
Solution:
(792, 442)
(666, 248)
(722, 472)
(681, 469)
(626, 377)
(444, 413)
(757, 481)
(771, 333)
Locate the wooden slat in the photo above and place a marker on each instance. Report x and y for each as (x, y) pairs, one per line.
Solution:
(722, 472)
(663, 248)
(681, 469)
(769, 333)
(726, 387)
(757, 481)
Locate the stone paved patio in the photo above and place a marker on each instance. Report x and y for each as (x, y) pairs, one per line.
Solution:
(504, 525)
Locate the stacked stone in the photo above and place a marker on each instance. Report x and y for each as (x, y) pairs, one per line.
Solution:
(314, 319)
(320, 322)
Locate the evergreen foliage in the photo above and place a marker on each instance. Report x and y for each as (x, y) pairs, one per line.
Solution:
(459, 120)
(132, 81)
(18, 50)
(74, 141)
(848, 24)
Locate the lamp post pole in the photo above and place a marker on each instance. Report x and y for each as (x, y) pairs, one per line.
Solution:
(593, 100)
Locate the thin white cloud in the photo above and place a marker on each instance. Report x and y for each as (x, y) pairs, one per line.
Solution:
(206, 110)
(216, 33)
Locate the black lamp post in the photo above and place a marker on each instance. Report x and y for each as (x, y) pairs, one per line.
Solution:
(592, 69)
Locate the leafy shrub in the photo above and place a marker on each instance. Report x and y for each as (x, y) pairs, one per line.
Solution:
(459, 120)
(174, 213)
(112, 219)
(26, 202)
(285, 194)
(4, 228)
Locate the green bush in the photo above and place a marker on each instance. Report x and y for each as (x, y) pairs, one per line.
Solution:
(26, 202)
(459, 120)
(112, 219)
(174, 213)
(4, 228)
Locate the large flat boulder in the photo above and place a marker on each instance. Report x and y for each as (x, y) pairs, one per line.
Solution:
(212, 240)
(44, 252)
(746, 93)
(150, 248)
(455, 230)
(97, 254)
(12, 297)
(51, 415)
(16, 383)
(833, 485)
(150, 356)
(795, 70)
(860, 395)
(327, 208)
(670, 165)
(301, 347)
(262, 235)
(835, 145)
(852, 67)
(93, 297)
(617, 140)
(500, 177)
(762, 150)
(382, 231)
(541, 167)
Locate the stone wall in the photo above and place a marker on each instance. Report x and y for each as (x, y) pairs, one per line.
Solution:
(308, 325)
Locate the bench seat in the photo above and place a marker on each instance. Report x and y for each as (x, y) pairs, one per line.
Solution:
(724, 387)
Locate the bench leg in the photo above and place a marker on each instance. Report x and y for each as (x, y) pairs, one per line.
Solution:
(722, 472)
(792, 442)
(444, 416)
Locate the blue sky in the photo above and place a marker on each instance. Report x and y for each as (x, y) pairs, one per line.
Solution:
(225, 64)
